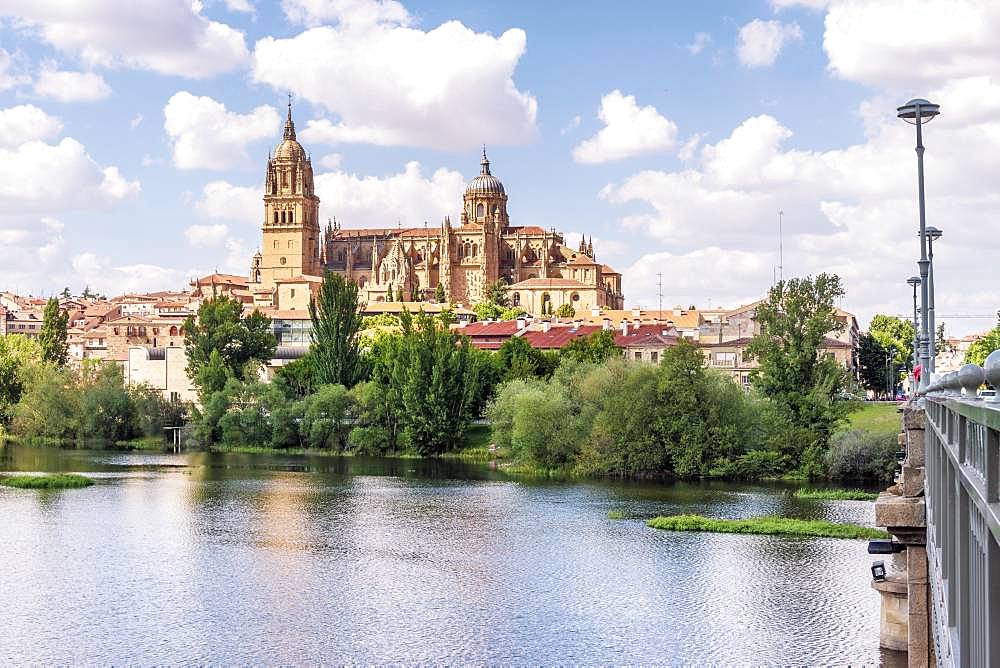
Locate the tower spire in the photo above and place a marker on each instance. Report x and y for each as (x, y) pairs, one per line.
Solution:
(484, 163)
(289, 123)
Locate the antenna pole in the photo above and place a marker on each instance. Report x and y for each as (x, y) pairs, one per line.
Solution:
(659, 285)
(781, 265)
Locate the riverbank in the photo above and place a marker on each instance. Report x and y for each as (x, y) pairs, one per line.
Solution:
(52, 481)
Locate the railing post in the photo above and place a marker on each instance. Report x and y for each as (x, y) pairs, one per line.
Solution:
(992, 466)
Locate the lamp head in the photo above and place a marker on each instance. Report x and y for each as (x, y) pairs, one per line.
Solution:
(932, 233)
(918, 107)
(913, 280)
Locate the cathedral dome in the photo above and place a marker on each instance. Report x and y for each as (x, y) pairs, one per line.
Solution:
(485, 183)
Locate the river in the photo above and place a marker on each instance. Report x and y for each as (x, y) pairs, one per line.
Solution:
(254, 559)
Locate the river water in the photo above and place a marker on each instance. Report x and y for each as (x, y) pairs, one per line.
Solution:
(254, 559)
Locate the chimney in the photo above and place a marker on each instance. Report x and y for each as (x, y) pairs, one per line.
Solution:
(521, 323)
(606, 324)
(624, 326)
(462, 324)
(545, 325)
(636, 312)
(594, 312)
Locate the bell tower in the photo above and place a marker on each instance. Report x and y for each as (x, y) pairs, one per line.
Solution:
(291, 232)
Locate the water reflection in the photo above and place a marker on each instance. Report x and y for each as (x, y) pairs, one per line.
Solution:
(209, 558)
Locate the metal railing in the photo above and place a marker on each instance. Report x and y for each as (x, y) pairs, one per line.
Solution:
(962, 486)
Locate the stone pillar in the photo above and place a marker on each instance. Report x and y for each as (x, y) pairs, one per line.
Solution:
(905, 618)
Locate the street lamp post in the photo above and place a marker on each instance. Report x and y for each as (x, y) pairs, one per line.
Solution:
(917, 112)
(914, 281)
(889, 389)
(933, 234)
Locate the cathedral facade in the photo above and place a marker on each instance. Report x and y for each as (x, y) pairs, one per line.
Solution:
(463, 258)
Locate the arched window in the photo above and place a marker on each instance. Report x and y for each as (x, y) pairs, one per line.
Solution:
(545, 297)
(475, 250)
(282, 216)
(291, 243)
(480, 211)
(362, 281)
(275, 243)
(275, 217)
(517, 299)
(173, 330)
(291, 216)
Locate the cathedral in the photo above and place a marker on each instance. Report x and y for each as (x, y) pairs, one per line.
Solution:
(541, 271)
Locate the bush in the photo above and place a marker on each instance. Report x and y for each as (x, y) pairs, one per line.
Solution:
(752, 465)
(862, 456)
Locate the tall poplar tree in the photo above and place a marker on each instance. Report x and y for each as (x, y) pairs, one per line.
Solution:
(336, 321)
(52, 337)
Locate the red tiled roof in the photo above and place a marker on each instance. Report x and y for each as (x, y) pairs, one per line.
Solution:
(526, 229)
(549, 283)
(490, 329)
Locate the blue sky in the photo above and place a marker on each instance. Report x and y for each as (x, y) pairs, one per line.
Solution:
(787, 104)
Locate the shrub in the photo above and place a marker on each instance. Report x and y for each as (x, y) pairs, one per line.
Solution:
(862, 456)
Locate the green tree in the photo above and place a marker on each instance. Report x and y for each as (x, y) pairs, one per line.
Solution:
(65, 294)
(598, 347)
(336, 321)
(107, 411)
(496, 293)
(87, 294)
(19, 356)
(941, 344)
(983, 346)
(52, 336)
(511, 313)
(297, 379)
(516, 358)
(566, 311)
(50, 404)
(439, 295)
(399, 293)
(487, 311)
(874, 370)
(325, 419)
(895, 335)
(795, 319)
(222, 344)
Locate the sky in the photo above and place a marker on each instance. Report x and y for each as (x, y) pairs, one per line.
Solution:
(134, 136)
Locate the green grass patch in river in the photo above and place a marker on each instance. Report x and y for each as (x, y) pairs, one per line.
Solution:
(769, 525)
(53, 481)
(835, 495)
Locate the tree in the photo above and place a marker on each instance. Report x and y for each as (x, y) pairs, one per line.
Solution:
(65, 294)
(496, 293)
(222, 344)
(19, 355)
(516, 358)
(896, 336)
(598, 347)
(439, 295)
(796, 317)
(297, 379)
(941, 344)
(107, 412)
(874, 369)
(52, 336)
(87, 294)
(511, 313)
(566, 311)
(324, 421)
(983, 346)
(336, 321)
(487, 311)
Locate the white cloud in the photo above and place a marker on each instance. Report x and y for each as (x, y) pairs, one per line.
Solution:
(760, 42)
(723, 275)
(36, 176)
(701, 40)
(331, 161)
(897, 45)
(814, 5)
(206, 236)
(629, 130)
(346, 12)
(573, 124)
(10, 74)
(63, 86)
(450, 88)
(690, 146)
(99, 273)
(205, 135)
(244, 6)
(136, 120)
(408, 197)
(25, 123)
(165, 36)
(224, 201)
